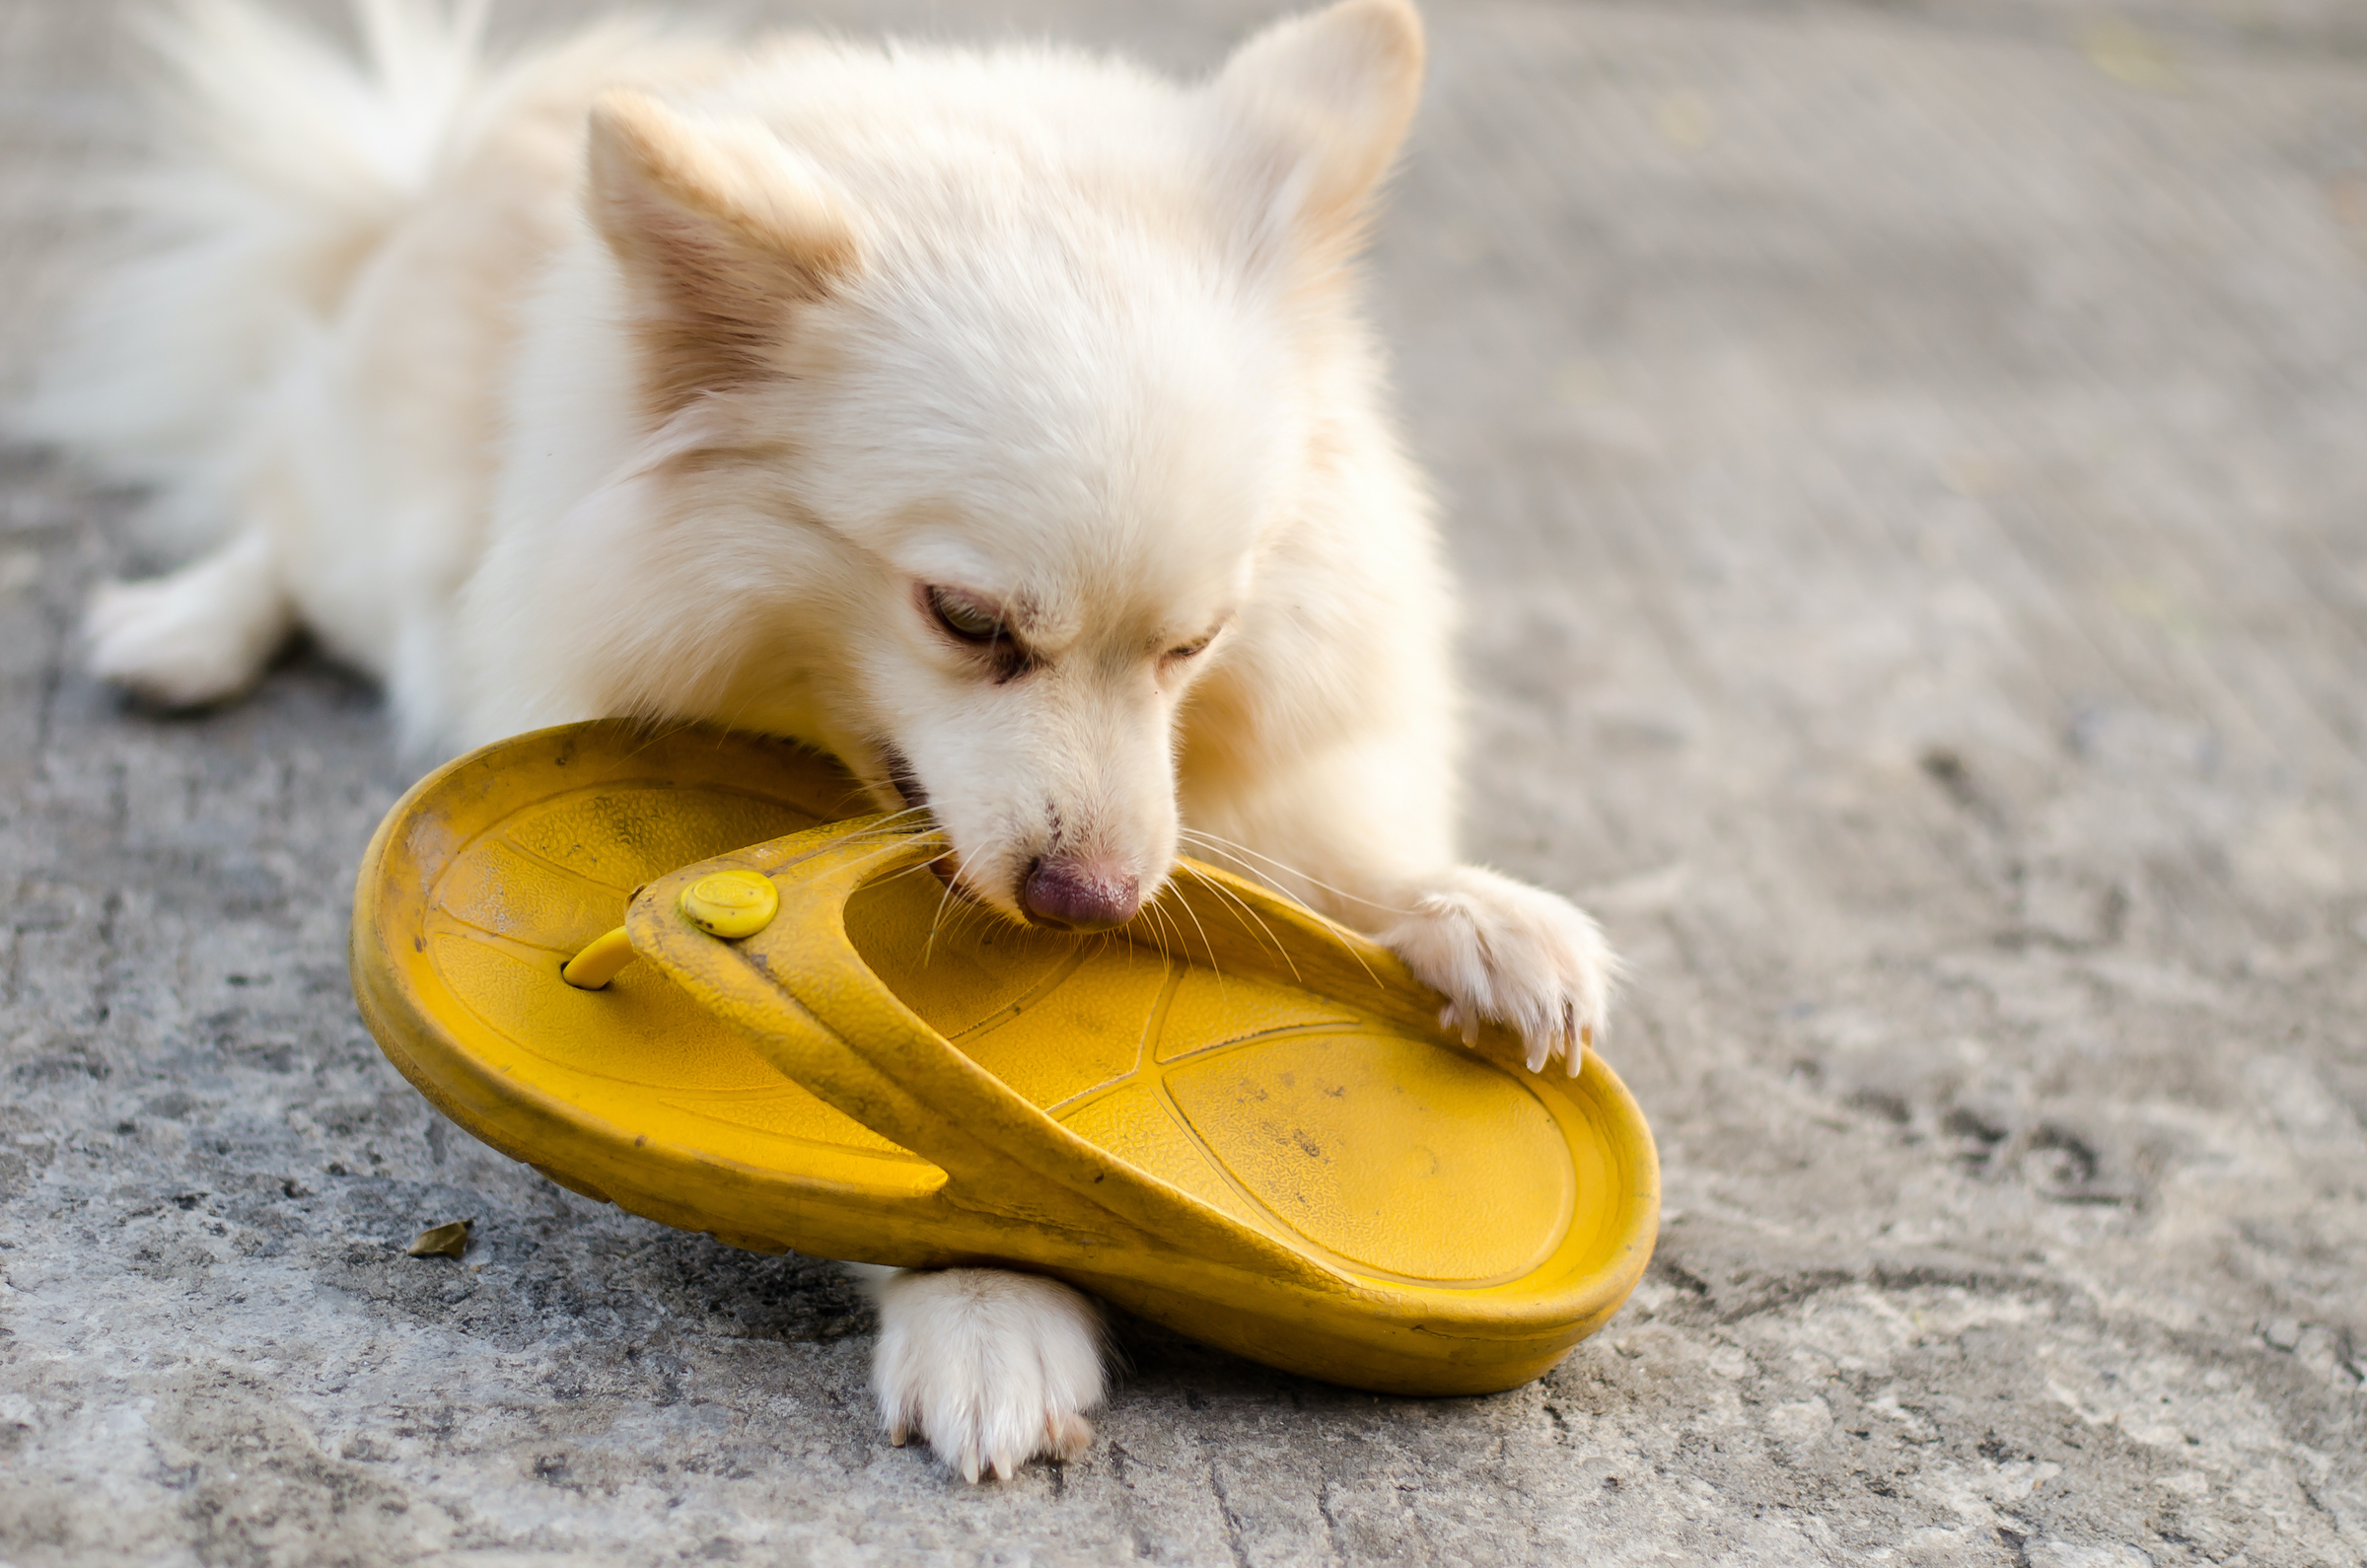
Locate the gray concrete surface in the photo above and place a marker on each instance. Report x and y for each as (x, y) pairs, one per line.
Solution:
(1911, 465)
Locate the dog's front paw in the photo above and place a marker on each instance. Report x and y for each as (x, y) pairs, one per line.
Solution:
(198, 636)
(993, 1368)
(1503, 950)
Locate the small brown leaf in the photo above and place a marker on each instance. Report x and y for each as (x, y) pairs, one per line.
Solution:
(2132, 57)
(2349, 196)
(1687, 122)
(441, 1241)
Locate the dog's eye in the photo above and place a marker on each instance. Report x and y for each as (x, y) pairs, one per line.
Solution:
(1190, 650)
(964, 617)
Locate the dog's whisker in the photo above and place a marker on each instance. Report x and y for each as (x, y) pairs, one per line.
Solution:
(890, 837)
(1214, 968)
(891, 845)
(1243, 855)
(1158, 931)
(901, 874)
(889, 817)
(888, 821)
(1330, 928)
(929, 949)
(897, 832)
(1245, 907)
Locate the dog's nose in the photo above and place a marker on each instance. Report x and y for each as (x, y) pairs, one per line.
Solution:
(1080, 895)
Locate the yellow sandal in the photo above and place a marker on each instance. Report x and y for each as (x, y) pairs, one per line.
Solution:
(1231, 1118)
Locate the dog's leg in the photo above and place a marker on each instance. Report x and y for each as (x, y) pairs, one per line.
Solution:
(197, 635)
(992, 1366)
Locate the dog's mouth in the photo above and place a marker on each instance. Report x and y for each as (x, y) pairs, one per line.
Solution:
(942, 868)
(913, 796)
(901, 777)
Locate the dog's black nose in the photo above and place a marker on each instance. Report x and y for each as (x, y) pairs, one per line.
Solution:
(1080, 895)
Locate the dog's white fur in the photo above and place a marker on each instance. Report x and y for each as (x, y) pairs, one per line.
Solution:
(644, 376)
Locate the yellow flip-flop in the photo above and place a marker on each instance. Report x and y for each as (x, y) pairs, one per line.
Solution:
(1231, 1118)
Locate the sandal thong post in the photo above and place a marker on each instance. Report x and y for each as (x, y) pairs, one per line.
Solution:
(1231, 1118)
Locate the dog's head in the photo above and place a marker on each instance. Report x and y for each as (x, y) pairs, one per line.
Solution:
(979, 392)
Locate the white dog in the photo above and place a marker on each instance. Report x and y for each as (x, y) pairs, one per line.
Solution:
(1001, 422)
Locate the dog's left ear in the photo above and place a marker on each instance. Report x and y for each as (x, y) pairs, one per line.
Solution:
(721, 232)
(1319, 107)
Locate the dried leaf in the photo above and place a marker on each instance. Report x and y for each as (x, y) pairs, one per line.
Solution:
(1580, 383)
(1687, 120)
(2349, 196)
(1969, 474)
(2132, 57)
(441, 1241)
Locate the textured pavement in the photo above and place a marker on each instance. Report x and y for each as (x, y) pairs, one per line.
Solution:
(1909, 466)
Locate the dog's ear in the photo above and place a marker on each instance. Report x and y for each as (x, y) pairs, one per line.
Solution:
(721, 232)
(1319, 105)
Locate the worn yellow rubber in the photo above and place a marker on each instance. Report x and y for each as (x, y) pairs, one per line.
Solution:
(1231, 1118)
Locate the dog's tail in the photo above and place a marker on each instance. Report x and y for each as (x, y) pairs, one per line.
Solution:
(280, 165)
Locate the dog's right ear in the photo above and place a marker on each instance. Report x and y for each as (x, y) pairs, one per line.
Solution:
(721, 230)
(1317, 106)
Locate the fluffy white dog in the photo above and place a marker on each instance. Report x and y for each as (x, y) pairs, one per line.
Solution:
(1001, 422)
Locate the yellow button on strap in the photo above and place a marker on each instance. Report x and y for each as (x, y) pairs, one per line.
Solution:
(731, 903)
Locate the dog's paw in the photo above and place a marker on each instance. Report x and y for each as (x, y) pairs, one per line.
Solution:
(195, 637)
(1503, 950)
(993, 1368)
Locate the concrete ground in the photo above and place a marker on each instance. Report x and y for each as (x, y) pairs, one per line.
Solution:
(1910, 464)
